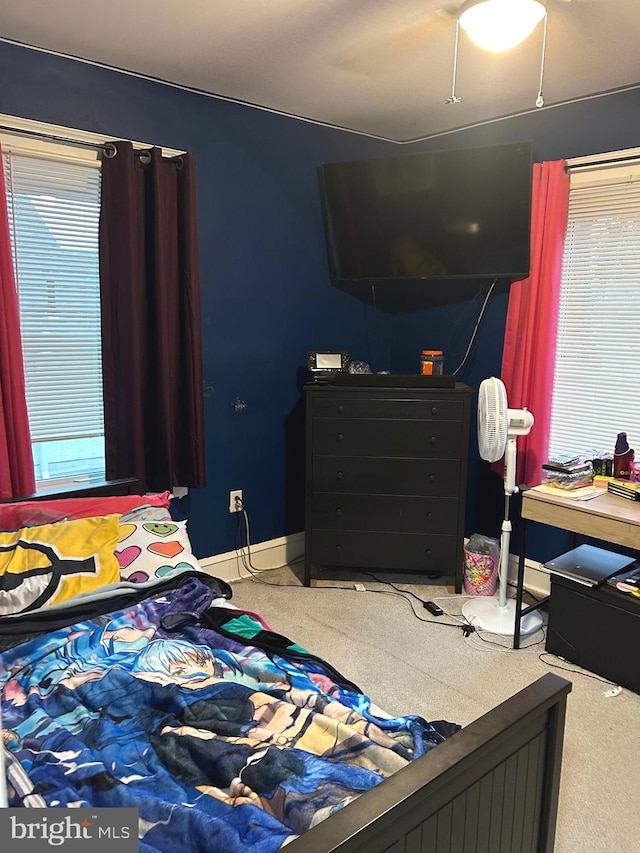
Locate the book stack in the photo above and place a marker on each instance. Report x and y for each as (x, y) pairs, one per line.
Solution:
(566, 471)
(624, 489)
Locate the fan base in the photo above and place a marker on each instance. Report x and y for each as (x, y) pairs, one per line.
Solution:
(485, 614)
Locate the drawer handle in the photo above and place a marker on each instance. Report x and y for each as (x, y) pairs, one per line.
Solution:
(427, 551)
(339, 475)
(340, 436)
(338, 547)
(433, 440)
(339, 512)
(432, 478)
(429, 515)
(340, 409)
(434, 410)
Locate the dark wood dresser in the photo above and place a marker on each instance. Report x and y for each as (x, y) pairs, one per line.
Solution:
(386, 473)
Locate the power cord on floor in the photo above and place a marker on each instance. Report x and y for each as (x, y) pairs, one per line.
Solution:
(574, 671)
(507, 646)
(466, 626)
(254, 572)
(466, 629)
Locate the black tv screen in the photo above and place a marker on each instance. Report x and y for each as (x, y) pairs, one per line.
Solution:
(444, 214)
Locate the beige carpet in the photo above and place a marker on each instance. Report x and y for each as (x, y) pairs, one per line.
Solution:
(408, 666)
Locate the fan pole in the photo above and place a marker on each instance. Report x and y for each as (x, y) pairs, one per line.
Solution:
(498, 615)
(503, 573)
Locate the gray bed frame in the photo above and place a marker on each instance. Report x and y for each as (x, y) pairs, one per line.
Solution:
(490, 788)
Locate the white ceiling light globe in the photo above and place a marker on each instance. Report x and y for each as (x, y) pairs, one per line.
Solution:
(501, 24)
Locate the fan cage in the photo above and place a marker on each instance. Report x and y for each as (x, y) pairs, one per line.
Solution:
(492, 419)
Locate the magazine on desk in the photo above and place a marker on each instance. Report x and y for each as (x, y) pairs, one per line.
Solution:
(584, 493)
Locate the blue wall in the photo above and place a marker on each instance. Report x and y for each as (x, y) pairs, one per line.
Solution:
(266, 294)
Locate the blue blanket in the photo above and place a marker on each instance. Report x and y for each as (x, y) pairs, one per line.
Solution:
(224, 735)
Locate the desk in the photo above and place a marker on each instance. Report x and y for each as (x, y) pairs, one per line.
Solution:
(607, 517)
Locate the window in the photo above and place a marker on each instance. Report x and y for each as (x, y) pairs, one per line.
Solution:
(597, 359)
(53, 201)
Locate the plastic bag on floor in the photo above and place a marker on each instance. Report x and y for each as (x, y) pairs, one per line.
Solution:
(481, 563)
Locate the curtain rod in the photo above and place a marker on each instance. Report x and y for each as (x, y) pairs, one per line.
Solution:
(589, 164)
(108, 148)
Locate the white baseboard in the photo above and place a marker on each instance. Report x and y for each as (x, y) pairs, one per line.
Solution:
(275, 553)
(536, 579)
(271, 554)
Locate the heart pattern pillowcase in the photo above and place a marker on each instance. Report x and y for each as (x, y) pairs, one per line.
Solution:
(152, 545)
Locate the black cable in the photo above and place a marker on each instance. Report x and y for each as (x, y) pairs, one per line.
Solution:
(408, 600)
(465, 625)
(246, 562)
(509, 647)
(379, 580)
(574, 671)
(535, 598)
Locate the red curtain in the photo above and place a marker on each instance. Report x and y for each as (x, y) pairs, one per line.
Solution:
(532, 318)
(17, 476)
(151, 323)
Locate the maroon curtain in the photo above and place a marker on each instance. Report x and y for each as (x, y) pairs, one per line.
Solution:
(151, 325)
(17, 476)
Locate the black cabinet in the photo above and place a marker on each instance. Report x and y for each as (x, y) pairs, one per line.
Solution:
(386, 472)
(597, 628)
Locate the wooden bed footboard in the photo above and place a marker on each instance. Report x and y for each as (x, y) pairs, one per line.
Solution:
(491, 787)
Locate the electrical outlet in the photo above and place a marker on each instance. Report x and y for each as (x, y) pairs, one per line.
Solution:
(232, 500)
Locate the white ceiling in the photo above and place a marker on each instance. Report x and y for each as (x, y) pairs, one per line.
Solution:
(381, 67)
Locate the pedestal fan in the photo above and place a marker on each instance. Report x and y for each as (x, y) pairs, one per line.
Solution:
(498, 428)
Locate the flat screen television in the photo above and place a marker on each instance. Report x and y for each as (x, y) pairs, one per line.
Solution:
(442, 214)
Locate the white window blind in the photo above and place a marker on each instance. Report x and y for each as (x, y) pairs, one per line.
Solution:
(598, 360)
(53, 215)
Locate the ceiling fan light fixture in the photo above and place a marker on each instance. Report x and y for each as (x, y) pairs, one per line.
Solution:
(500, 24)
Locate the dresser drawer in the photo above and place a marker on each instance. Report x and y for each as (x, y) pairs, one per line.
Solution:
(397, 438)
(391, 408)
(411, 552)
(380, 476)
(390, 513)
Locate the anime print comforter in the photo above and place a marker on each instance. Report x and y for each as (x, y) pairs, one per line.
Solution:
(224, 735)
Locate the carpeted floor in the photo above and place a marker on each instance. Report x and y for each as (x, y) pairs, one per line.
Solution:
(411, 662)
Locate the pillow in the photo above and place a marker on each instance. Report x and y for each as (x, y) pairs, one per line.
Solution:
(26, 513)
(152, 545)
(46, 564)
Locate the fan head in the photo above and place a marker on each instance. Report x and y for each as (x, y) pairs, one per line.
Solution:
(520, 421)
(493, 419)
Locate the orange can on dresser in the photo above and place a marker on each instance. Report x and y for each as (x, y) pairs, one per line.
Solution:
(432, 362)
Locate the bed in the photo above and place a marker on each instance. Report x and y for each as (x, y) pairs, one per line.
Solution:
(130, 679)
